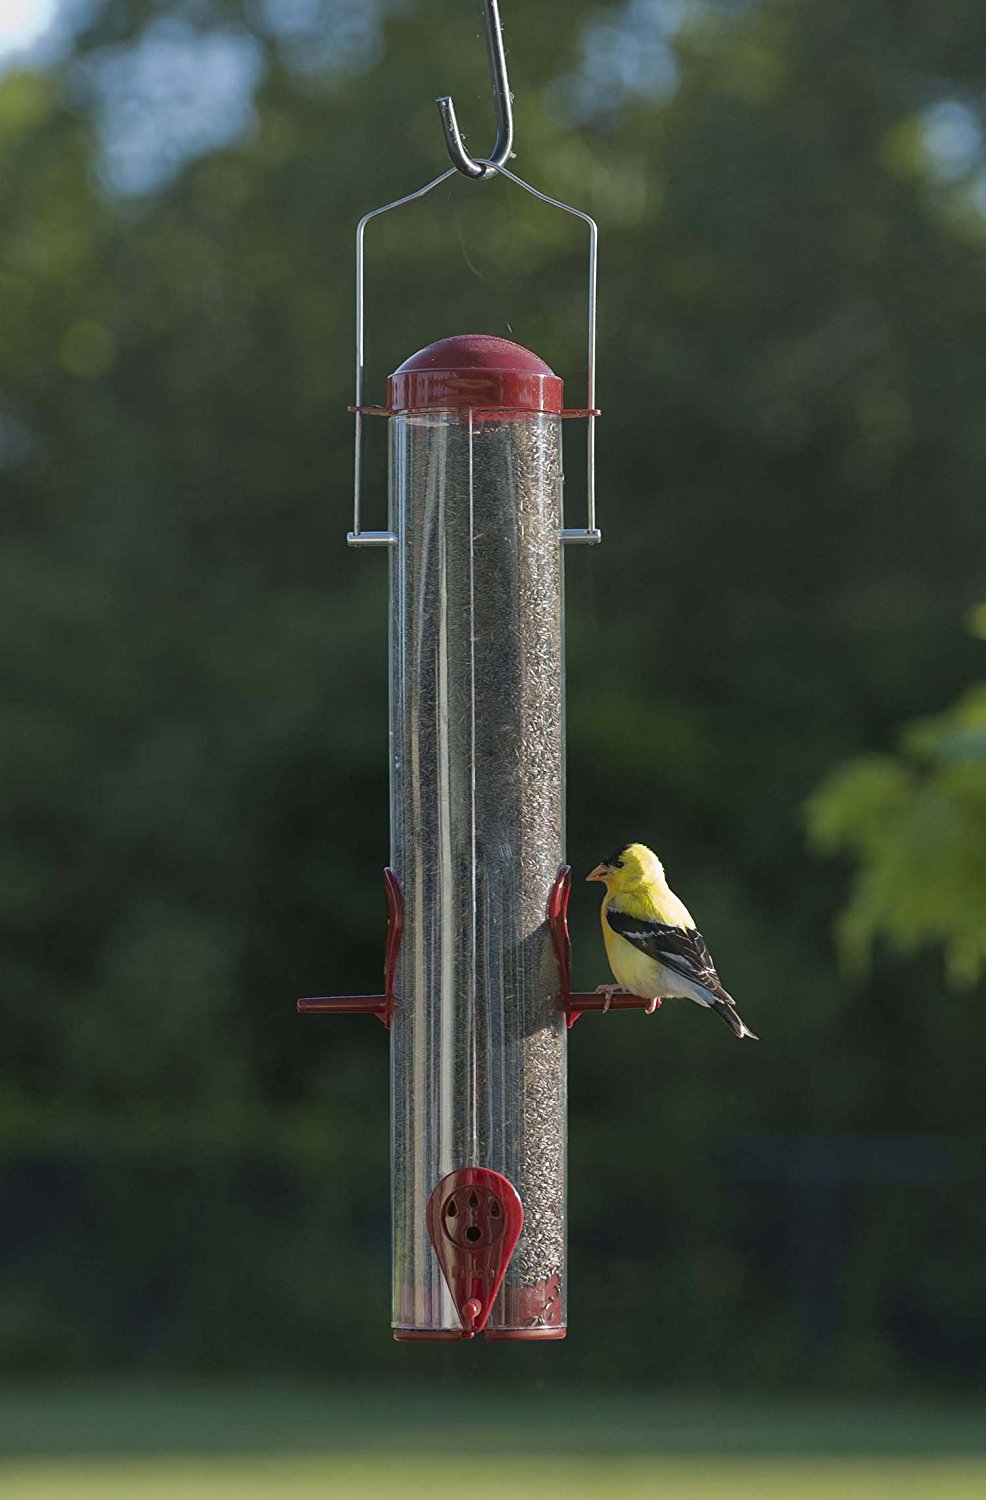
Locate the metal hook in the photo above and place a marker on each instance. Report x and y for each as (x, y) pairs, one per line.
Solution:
(479, 167)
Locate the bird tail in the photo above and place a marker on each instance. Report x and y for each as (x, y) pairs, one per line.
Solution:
(727, 1010)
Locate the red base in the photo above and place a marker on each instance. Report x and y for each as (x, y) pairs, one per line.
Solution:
(456, 1335)
(525, 1333)
(430, 1335)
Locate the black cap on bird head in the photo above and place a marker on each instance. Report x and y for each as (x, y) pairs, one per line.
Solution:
(638, 861)
(606, 866)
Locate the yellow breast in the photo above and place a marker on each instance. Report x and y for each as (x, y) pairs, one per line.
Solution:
(632, 970)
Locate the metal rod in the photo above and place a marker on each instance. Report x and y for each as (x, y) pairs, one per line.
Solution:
(342, 1005)
(357, 537)
(471, 166)
(358, 1005)
(590, 534)
(620, 1001)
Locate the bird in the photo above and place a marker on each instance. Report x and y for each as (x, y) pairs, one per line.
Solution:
(653, 946)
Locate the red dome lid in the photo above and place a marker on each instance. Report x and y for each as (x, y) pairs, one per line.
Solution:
(474, 370)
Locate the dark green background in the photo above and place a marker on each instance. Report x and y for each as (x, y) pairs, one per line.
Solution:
(792, 464)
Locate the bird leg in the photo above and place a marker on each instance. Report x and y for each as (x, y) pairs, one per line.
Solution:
(652, 1006)
(609, 990)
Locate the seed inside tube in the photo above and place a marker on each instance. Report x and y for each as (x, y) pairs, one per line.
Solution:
(477, 807)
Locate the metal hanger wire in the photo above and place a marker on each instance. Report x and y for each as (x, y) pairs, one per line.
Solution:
(479, 169)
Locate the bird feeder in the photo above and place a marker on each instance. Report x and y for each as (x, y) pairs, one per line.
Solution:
(477, 993)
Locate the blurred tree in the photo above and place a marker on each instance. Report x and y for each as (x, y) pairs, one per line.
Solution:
(194, 770)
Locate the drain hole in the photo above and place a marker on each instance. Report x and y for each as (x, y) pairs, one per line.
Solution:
(472, 1233)
(473, 1200)
(451, 1211)
(494, 1209)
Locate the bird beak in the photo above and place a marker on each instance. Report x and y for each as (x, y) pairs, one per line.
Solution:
(601, 872)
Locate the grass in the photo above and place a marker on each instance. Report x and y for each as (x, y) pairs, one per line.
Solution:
(430, 1479)
(209, 1443)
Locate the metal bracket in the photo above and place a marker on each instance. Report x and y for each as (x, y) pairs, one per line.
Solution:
(587, 534)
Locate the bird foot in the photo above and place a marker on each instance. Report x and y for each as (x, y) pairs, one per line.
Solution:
(609, 990)
(652, 1006)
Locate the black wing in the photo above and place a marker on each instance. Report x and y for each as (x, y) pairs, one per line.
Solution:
(681, 949)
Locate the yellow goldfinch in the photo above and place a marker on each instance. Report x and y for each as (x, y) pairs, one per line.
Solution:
(653, 946)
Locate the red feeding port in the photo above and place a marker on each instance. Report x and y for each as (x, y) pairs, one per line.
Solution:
(574, 1004)
(381, 1006)
(474, 1219)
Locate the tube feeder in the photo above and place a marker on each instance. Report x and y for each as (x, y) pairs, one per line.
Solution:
(477, 976)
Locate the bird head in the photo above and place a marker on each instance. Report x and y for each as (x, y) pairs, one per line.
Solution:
(631, 866)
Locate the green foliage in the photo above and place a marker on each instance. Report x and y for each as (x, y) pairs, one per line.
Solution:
(916, 826)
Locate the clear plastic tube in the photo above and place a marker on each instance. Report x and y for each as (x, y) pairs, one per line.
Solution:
(477, 809)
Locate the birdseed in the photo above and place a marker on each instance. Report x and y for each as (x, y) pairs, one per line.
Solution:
(477, 798)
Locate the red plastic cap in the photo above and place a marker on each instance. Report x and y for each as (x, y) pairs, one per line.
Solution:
(475, 370)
